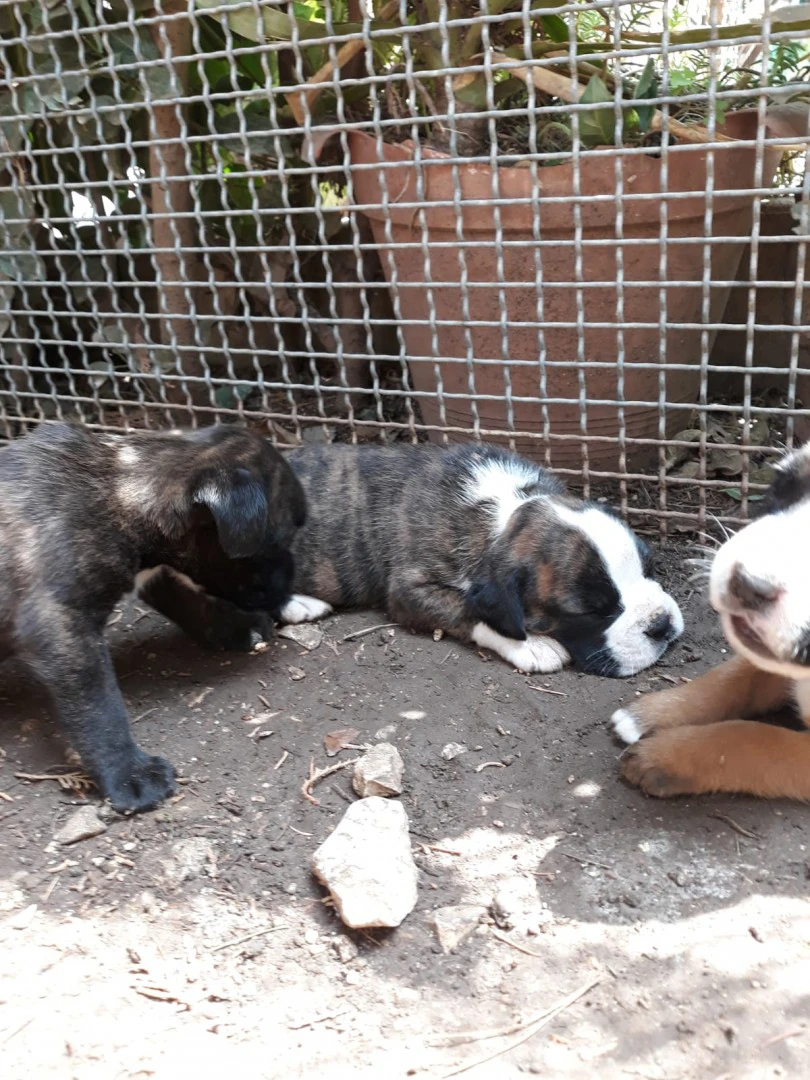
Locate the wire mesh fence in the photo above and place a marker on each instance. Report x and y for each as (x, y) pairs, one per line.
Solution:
(578, 229)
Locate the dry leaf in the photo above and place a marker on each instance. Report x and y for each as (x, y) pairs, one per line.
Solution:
(335, 741)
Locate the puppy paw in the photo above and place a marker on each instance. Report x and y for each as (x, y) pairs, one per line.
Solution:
(543, 655)
(651, 765)
(536, 654)
(301, 609)
(626, 727)
(140, 784)
(243, 631)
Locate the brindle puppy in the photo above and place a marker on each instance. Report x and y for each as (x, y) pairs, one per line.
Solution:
(484, 545)
(82, 515)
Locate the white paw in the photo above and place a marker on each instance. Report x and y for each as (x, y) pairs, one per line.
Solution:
(300, 609)
(535, 654)
(625, 726)
(541, 654)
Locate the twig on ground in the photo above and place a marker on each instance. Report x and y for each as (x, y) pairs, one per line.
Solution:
(489, 765)
(520, 948)
(736, 826)
(585, 862)
(318, 1019)
(545, 690)
(792, 1033)
(439, 850)
(281, 760)
(249, 937)
(527, 1028)
(368, 630)
(316, 775)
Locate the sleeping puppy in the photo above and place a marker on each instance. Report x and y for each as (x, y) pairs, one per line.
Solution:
(83, 516)
(483, 545)
(703, 736)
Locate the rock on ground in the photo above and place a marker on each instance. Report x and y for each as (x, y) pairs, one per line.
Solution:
(379, 772)
(367, 865)
(453, 925)
(83, 824)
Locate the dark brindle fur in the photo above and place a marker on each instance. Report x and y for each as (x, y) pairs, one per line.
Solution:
(81, 515)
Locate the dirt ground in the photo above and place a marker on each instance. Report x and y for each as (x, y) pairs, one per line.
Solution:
(194, 941)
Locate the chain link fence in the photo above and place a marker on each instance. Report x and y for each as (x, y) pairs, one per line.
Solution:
(578, 229)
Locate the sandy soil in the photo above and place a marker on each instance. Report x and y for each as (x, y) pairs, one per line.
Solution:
(193, 941)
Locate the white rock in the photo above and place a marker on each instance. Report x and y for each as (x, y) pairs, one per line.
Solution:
(453, 925)
(367, 865)
(190, 858)
(83, 824)
(379, 772)
(453, 750)
(306, 635)
(516, 905)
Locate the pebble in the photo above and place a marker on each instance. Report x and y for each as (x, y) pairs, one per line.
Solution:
(379, 772)
(83, 824)
(453, 925)
(453, 750)
(367, 864)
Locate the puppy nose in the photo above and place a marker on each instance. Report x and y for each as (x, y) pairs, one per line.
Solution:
(754, 593)
(660, 628)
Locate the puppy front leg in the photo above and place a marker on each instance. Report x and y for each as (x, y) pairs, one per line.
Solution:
(733, 690)
(81, 682)
(209, 620)
(423, 605)
(741, 756)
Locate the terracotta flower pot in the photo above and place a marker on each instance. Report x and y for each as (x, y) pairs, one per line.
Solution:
(509, 354)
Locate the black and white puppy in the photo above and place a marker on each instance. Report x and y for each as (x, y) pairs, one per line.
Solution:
(202, 520)
(482, 544)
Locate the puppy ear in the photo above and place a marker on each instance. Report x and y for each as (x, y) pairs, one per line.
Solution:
(495, 600)
(239, 507)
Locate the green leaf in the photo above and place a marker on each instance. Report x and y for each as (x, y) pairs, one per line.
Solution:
(646, 87)
(554, 27)
(736, 494)
(278, 26)
(597, 127)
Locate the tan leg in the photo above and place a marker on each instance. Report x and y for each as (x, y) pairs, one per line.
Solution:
(734, 756)
(734, 689)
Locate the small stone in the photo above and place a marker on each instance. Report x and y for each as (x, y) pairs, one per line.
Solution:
(346, 950)
(379, 772)
(453, 750)
(306, 635)
(297, 673)
(353, 978)
(367, 864)
(311, 936)
(83, 824)
(516, 905)
(453, 925)
(190, 858)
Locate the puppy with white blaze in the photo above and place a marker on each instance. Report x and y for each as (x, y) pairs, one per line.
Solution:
(482, 544)
(706, 736)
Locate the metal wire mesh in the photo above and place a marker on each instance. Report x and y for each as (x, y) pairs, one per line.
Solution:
(578, 229)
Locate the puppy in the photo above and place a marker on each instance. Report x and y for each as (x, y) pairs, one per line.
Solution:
(83, 515)
(482, 544)
(703, 736)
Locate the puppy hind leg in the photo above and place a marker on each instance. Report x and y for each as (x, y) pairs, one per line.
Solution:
(735, 689)
(82, 685)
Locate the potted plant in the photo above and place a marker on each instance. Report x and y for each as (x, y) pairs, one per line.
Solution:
(509, 231)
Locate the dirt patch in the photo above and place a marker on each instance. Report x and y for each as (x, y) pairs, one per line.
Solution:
(195, 937)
